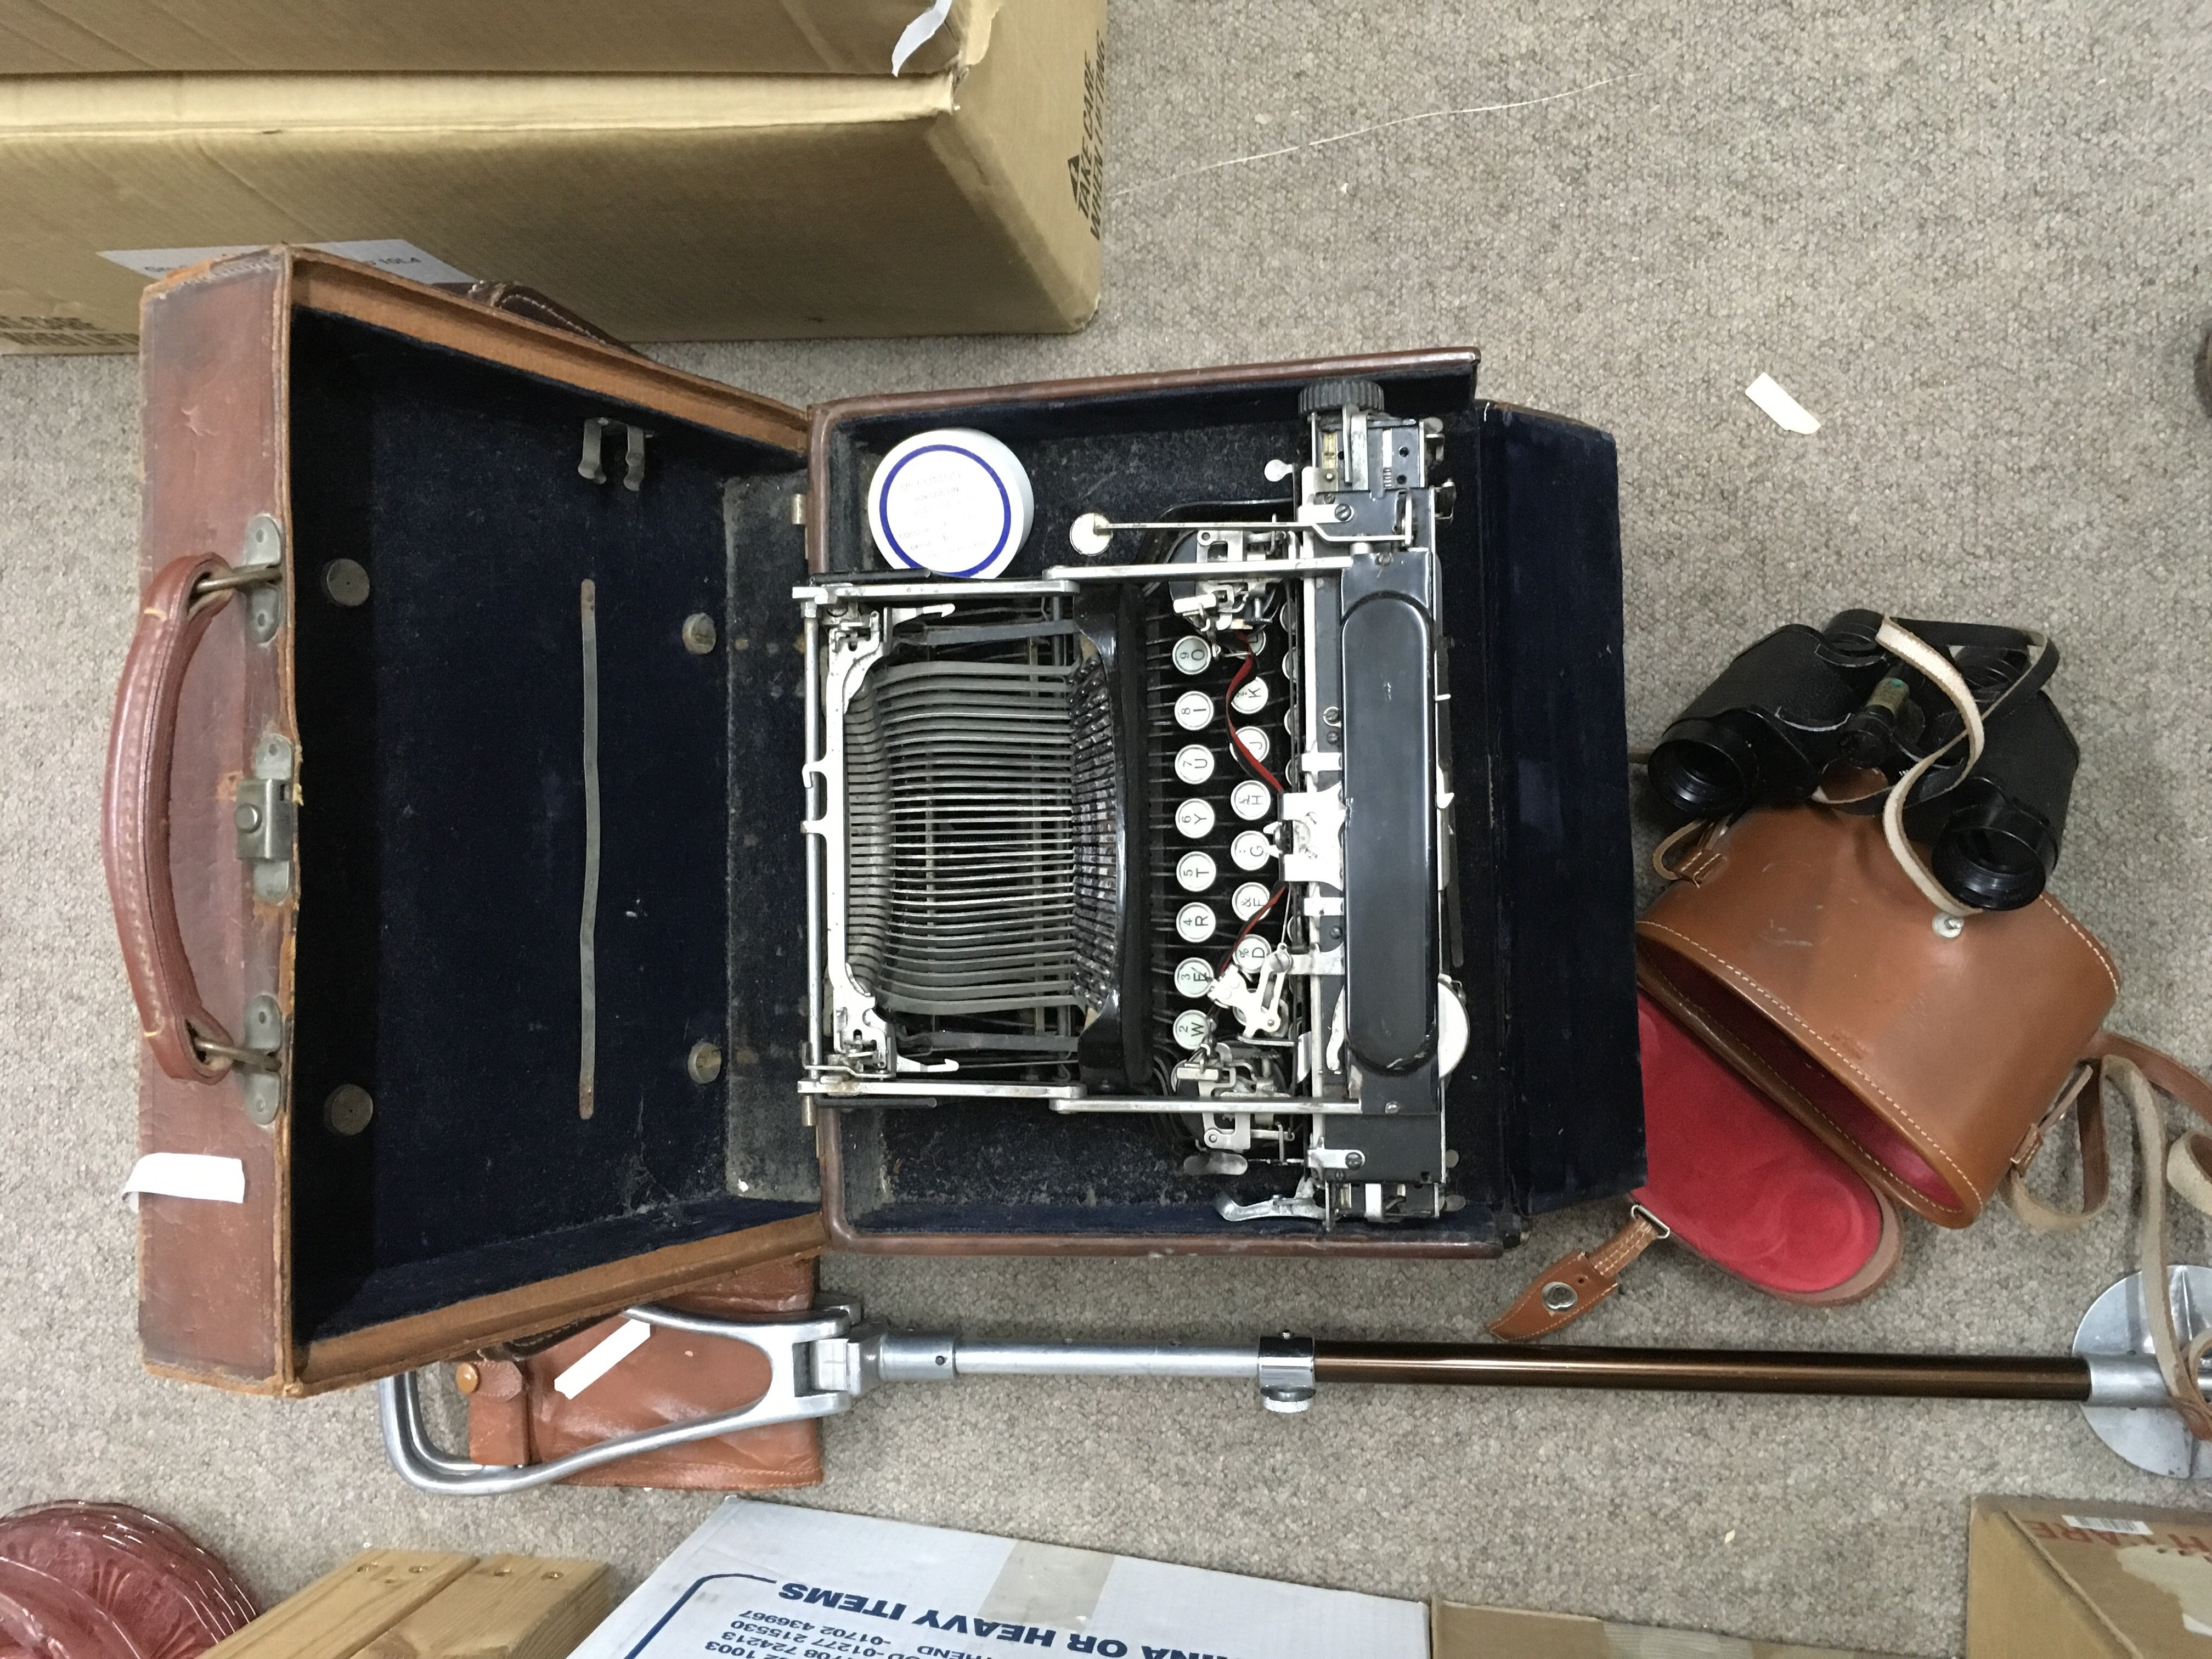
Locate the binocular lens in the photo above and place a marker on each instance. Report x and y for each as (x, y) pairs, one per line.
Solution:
(1999, 863)
(1705, 769)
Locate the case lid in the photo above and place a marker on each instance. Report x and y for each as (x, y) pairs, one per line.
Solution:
(412, 692)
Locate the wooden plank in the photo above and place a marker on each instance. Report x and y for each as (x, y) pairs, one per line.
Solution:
(334, 1617)
(505, 1607)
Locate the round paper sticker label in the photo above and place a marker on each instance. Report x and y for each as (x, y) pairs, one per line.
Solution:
(952, 502)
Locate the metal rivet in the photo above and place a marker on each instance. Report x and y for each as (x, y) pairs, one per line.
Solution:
(248, 818)
(1355, 1159)
(466, 1377)
(1332, 715)
(349, 1109)
(346, 582)
(1950, 926)
(1559, 1296)
(698, 633)
(704, 1063)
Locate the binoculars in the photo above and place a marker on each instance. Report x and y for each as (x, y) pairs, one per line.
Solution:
(1803, 702)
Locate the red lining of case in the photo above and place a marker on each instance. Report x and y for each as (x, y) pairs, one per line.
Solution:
(1856, 1121)
(1740, 1182)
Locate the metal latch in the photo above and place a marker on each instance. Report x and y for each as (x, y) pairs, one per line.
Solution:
(267, 819)
(591, 465)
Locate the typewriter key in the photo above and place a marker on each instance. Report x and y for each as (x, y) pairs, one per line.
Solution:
(1252, 953)
(1250, 800)
(1251, 697)
(1290, 668)
(1195, 711)
(1255, 743)
(1193, 653)
(1194, 923)
(1193, 1028)
(1248, 901)
(1193, 976)
(1194, 871)
(1195, 818)
(1194, 763)
(1250, 850)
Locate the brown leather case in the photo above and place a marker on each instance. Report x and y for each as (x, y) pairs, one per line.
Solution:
(1797, 948)
(199, 691)
(517, 1416)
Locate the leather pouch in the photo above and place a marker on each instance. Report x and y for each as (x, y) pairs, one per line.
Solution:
(1928, 1058)
(1734, 1181)
(516, 1415)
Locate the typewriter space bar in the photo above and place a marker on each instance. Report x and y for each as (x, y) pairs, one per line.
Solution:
(1389, 834)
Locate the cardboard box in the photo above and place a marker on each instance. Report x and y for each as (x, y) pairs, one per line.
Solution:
(2088, 1580)
(1457, 1631)
(738, 37)
(662, 207)
(761, 1580)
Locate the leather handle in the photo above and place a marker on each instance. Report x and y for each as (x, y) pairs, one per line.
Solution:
(134, 820)
(530, 303)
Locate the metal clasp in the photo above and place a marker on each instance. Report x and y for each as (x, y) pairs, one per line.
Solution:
(591, 466)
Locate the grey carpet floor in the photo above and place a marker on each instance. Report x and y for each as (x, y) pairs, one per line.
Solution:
(1972, 239)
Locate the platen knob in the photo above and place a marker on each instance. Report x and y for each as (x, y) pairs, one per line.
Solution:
(1324, 395)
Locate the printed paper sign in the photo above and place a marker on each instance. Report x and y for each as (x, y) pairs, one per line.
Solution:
(401, 258)
(771, 1581)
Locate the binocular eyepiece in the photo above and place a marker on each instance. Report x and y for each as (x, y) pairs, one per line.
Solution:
(1803, 702)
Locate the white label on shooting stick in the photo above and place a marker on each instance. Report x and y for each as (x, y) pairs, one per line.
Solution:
(609, 1351)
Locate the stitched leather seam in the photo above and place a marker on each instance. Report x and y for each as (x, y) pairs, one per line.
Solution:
(1623, 1248)
(2096, 949)
(1781, 1011)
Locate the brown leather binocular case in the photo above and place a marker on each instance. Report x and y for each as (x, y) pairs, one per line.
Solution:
(1925, 1056)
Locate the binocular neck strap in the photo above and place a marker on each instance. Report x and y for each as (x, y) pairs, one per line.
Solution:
(1942, 673)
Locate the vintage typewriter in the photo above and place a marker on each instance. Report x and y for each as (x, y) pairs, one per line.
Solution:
(1171, 829)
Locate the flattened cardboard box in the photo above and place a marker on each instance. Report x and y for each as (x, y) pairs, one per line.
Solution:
(2088, 1580)
(729, 37)
(663, 207)
(1458, 1631)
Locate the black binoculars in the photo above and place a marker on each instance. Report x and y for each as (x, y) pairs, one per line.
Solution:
(1803, 701)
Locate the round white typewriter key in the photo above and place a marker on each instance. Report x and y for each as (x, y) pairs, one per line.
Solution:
(1251, 697)
(1194, 763)
(1248, 901)
(1251, 849)
(1192, 1029)
(1193, 653)
(1194, 711)
(1194, 923)
(1194, 871)
(1290, 668)
(1195, 818)
(1255, 743)
(1252, 953)
(1250, 800)
(1193, 976)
